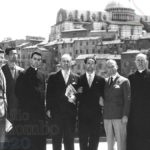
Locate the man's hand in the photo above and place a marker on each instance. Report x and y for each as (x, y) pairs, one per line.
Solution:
(48, 114)
(124, 119)
(80, 90)
(72, 99)
(101, 101)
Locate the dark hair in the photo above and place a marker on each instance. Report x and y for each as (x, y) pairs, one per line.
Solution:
(87, 58)
(7, 50)
(36, 53)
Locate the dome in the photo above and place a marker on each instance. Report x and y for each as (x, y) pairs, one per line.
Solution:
(118, 4)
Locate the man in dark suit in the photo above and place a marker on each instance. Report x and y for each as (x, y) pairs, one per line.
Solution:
(11, 71)
(30, 90)
(138, 131)
(91, 88)
(60, 108)
(116, 106)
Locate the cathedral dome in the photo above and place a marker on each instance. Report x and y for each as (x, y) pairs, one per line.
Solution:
(118, 4)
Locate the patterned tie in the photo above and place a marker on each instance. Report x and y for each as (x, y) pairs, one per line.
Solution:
(90, 80)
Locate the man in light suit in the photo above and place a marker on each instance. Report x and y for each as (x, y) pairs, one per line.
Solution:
(3, 102)
(116, 106)
(91, 88)
(60, 108)
(11, 71)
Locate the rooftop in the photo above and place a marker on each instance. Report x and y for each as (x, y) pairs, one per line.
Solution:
(99, 56)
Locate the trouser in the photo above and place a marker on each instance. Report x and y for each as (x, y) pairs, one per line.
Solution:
(64, 130)
(2, 133)
(115, 129)
(89, 134)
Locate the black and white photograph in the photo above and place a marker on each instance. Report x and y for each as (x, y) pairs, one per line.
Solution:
(74, 75)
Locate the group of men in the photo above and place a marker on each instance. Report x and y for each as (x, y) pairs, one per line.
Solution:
(72, 101)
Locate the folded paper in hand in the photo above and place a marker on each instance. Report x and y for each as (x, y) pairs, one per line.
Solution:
(70, 93)
(8, 126)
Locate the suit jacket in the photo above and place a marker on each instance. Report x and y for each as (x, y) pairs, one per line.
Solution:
(3, 106)
(89, 107)
(57, 102)
(10, 91)
(30, 90)
(117, 98)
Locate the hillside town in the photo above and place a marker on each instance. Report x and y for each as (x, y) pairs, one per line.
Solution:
(110, 33)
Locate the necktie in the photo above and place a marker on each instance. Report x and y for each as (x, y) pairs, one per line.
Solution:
(110, 81)
(12, 69)
(66, 77)
(90, 80)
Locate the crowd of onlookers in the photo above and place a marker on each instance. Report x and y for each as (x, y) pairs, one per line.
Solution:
(31, 110)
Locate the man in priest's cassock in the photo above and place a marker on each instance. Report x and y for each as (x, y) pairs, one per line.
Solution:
(30, 90)
(138, 131)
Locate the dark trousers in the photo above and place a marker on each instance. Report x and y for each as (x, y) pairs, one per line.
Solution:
(63, 129)
(136, 143)
(89, 131)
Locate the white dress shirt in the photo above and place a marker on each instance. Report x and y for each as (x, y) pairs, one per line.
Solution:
(66, 75)
(90, 77)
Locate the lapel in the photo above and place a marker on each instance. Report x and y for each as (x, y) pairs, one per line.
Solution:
(7, 73)
(70, 78)
(85, 80)
(61, 78)
(110, 87)
(114, 82)
(94, 81)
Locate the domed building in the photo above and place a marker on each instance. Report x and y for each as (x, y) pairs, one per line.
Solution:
(123, 19)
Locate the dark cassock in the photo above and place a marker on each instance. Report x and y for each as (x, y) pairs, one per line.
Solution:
(30, 90)
(138, 129)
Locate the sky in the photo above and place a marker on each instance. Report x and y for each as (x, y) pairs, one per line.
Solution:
(20, 18)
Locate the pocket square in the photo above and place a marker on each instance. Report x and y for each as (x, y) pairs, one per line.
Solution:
(116, 86)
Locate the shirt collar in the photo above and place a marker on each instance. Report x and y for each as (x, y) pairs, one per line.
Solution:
(92, 74)
(63, 72)
(114, 76)
(13, 66)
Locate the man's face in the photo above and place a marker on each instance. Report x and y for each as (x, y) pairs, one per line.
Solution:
(36, 61)
(90, 65)
(141, 63)
(66, 63)
(13, 56)
(111, 68)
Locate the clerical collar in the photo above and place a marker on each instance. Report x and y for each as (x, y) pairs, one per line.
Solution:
(140, 71)
(34, 68)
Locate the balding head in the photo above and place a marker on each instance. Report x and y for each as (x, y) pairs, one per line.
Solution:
(111, 67)
(141, 61)
(66, 61)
